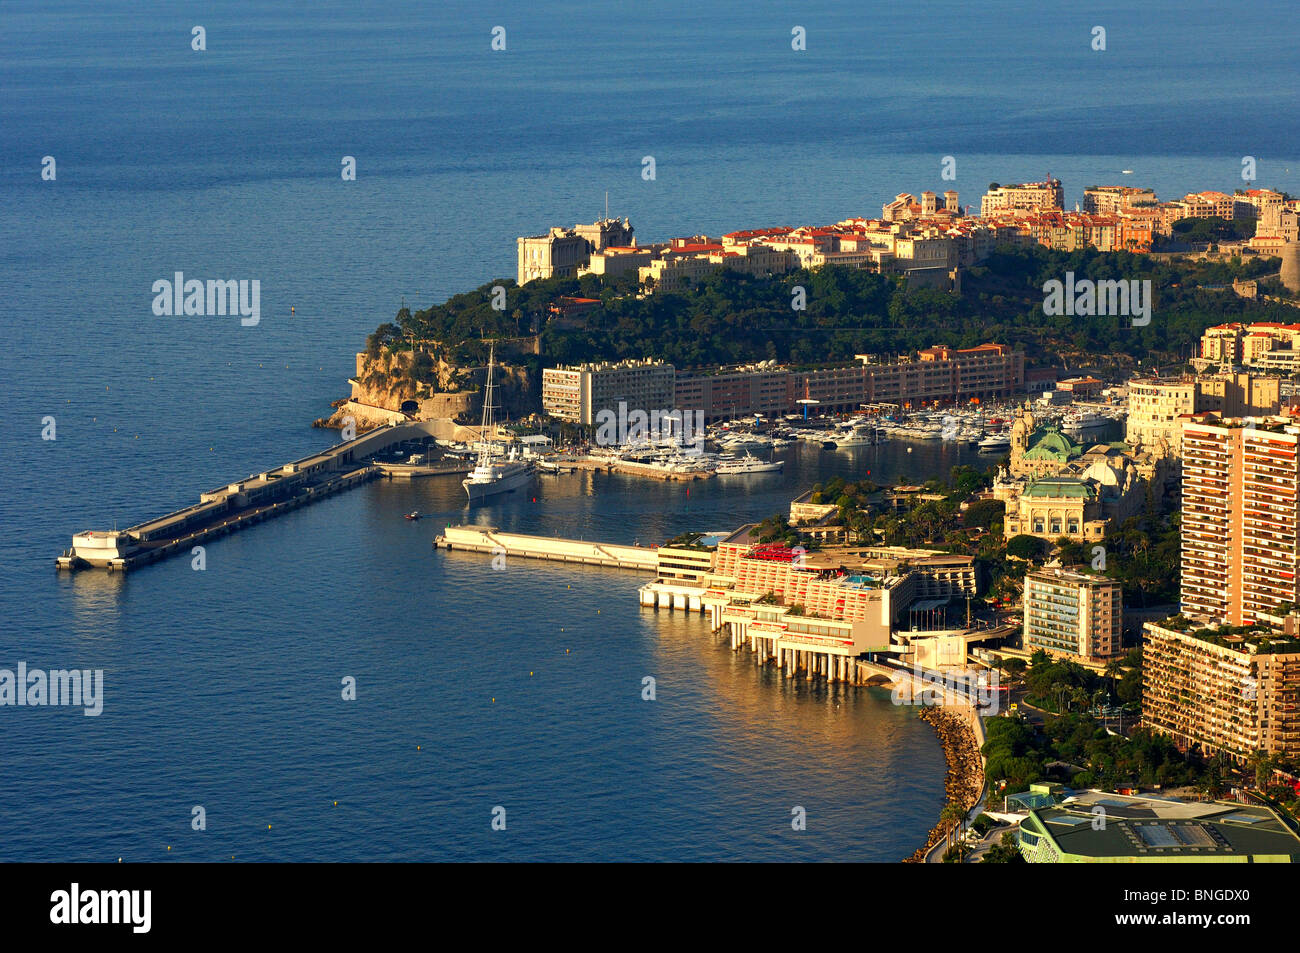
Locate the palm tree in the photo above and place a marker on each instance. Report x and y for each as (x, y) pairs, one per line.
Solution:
(1114, 668)
(952, 815)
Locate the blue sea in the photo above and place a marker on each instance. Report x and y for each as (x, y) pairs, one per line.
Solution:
(478, 689)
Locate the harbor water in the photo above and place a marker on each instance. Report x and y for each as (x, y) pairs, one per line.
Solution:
(476, 688)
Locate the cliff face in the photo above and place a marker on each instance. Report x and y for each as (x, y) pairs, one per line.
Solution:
(384, 386)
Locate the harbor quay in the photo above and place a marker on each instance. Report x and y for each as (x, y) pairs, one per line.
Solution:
(859, 615)
(249, 501)
(745, 590)
(490, 539)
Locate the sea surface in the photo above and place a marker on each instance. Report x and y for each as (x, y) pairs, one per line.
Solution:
(477, 688)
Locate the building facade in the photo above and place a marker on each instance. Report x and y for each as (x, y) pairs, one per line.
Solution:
(1241, 517)
(579, 394)
(1232, 694)
(1048, 194)
(1158, 407)
(1073, 614)
(562, 252)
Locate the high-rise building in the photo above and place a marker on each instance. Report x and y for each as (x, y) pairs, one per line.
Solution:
(1241, 517)
(1230, 694)
(1073, 614)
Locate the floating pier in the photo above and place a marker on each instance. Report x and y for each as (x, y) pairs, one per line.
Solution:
(489, 539)
(240, 504)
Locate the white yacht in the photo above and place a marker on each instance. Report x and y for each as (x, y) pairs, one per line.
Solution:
(996, 441)
(856, 437)
(1084, 420)
(748, 464)
(495, 473)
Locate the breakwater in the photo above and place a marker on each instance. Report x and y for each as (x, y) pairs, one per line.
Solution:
(964, 783)
(241, 504)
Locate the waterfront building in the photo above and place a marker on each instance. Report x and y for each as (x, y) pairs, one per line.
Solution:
(1241, 517)
(1213, 204)
(579, 394)
(1116, 199)
(936, 375)
(1146, 829)
(1073, 614)
(847, 581)
(1082, 388)
(1228, 691)
(561, 252)
(1048, 194)
(557, 254)
(741, 390)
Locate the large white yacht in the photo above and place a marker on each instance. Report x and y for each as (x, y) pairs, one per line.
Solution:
(496, 472)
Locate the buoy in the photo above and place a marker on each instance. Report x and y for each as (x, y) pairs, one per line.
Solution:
(417, 747)
(268, 827)
(169, 846)
(291, 309)
(494, 701)
(119, 860)
(336, 803)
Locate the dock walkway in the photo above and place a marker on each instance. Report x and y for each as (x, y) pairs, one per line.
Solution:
(490, 539)
(241, 504)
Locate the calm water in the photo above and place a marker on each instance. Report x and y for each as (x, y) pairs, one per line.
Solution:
(223, 686)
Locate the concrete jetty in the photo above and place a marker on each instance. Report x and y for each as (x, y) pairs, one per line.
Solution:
(489, 539)
(241, 504)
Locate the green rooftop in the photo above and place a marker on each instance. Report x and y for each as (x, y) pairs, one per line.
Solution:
(1097, 827)
(1061, 488)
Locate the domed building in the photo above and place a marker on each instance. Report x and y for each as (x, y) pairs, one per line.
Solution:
(1055, 487)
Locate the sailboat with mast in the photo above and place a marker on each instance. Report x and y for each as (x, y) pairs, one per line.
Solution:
(496, 472)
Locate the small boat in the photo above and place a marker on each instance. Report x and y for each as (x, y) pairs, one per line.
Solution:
(413, 515)
(1125, 171)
